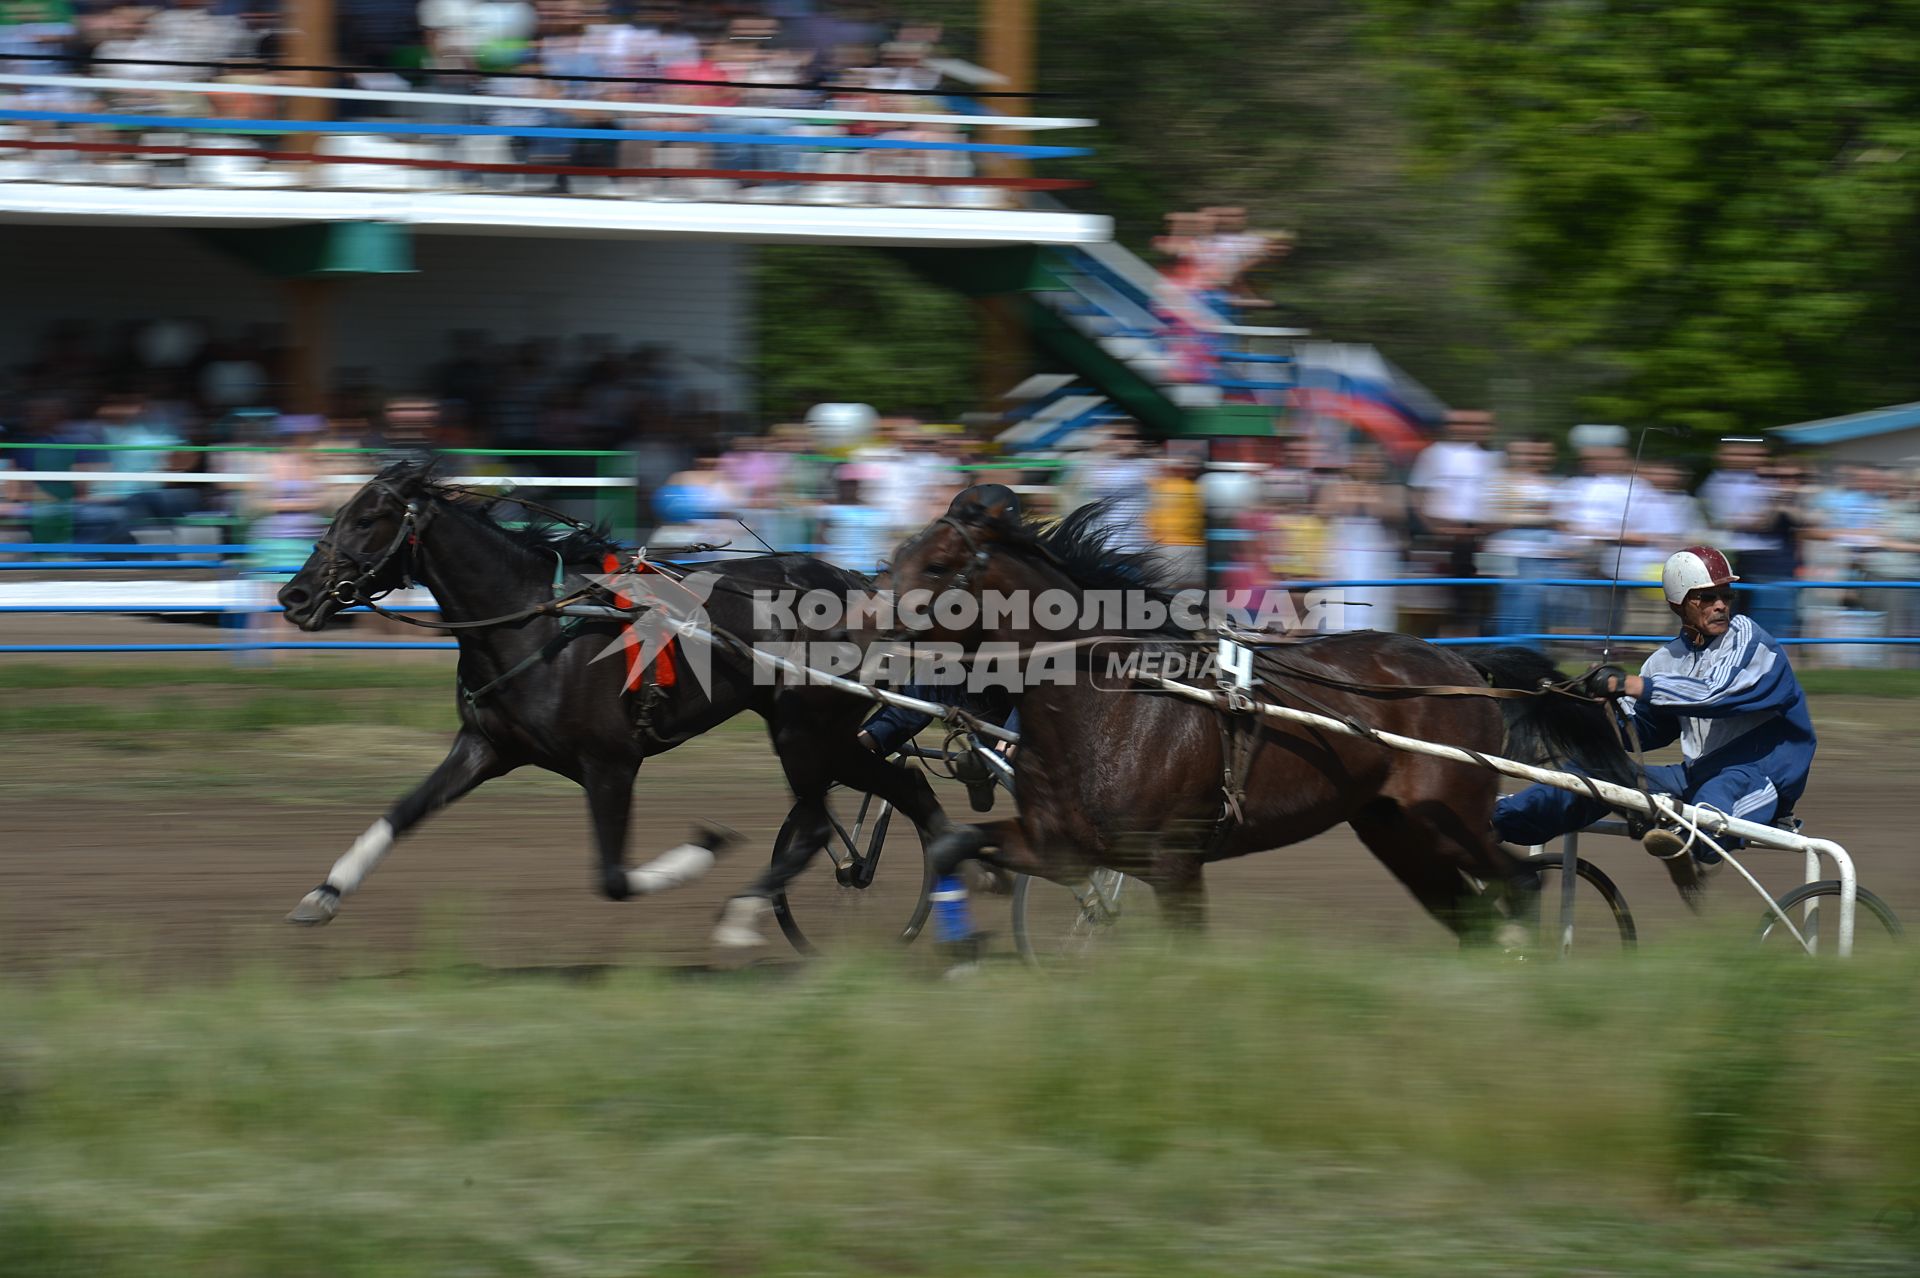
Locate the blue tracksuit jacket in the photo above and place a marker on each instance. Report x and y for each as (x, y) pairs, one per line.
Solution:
(1746, 739)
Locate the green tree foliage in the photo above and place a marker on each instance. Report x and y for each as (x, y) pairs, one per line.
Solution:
(1288, 110)
(1281, 106)
(1711, 205)
(847, 324)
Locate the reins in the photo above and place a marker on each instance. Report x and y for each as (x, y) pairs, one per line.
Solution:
(1234, 701)
(357, 592)
(979, 554)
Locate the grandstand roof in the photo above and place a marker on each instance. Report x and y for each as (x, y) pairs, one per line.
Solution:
(1840, 430)
(546, 215)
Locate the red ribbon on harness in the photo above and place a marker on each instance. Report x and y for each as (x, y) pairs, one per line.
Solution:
(663, 670)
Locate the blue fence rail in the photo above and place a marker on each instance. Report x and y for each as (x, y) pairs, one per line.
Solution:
(236, 613)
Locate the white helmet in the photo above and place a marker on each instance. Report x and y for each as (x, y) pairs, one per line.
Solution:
(1693, 569)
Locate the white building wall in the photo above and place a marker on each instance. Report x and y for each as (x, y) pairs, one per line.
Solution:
(694, 298)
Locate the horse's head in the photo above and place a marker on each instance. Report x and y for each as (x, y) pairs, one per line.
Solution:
(979, 572)
(367, 551)
(941, 574)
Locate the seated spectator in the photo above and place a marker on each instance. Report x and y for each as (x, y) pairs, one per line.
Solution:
(189, 30)
(289, 505)
(146, 444)
(70, 509)
(410, 424)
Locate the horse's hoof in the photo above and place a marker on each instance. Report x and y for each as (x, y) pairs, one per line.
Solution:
(739, 926)
(714, 837)
(1516, 941)
(316, 907)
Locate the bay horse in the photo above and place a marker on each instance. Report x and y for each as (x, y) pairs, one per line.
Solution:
(1118, 775)
(532, 691)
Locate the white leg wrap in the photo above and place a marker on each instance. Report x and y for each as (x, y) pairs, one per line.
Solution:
(366, 852)
(739, 926)
(670, 869)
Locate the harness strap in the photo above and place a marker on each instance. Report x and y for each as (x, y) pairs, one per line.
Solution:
(545, 652)
(1422, 690)
(551, 607)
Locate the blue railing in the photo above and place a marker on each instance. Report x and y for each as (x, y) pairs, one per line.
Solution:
(153, 558)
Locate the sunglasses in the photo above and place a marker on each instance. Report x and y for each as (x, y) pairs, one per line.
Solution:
(1715, 594)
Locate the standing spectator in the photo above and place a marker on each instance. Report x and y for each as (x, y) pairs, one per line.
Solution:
(1365, 519)
(1743, 506)
(1897, 558)
(1849, 515)
(855, 529)
(1734, 495)
(1451, 480)
(1118, 472)
(697, 505)
(1595, 513)
(1232, 252)
(1177, 520)
(1524, 506)
(901, 476)
(1772, 556)
(1660, 515)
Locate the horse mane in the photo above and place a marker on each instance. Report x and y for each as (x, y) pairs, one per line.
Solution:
(538, 532)
(1082, 545)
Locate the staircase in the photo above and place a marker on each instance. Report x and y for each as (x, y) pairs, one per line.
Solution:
(1141, 347)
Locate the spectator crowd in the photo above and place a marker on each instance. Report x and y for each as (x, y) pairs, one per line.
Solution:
(778, 55)
(1484, 532)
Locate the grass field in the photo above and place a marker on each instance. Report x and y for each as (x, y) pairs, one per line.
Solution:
(1246, 1110)
(1217, 1112)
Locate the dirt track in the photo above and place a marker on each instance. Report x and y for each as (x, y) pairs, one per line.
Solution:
(174, 858)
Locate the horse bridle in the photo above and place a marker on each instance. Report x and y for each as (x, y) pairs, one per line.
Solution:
(348, 591)
(977, 563)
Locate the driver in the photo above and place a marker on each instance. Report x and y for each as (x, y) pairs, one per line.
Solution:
(894, 726)
(1723, 688)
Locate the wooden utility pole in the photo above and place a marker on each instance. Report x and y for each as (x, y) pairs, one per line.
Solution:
(1007, 49)
(313, 44)
(309, 342)
(310, 301)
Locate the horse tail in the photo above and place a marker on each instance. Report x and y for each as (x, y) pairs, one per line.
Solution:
(1552, 729)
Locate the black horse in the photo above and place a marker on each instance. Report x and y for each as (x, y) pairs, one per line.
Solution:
(533, 690)
(1115, 773)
